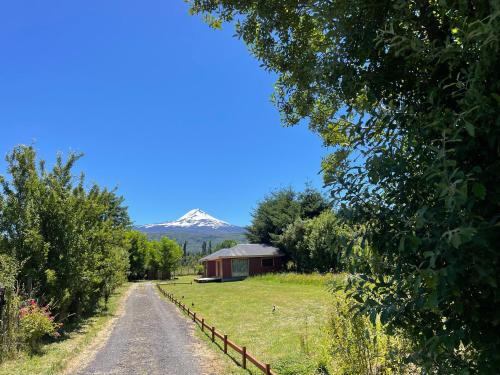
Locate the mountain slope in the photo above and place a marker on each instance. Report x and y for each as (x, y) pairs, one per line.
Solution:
(195, 227)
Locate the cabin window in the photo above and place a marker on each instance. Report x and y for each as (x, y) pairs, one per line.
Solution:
(239, 267)
(268, 262)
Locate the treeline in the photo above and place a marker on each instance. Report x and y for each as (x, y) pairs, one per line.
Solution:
(150, 259)
(206, 247)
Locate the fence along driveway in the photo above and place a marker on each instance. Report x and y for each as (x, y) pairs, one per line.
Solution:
(245, 355)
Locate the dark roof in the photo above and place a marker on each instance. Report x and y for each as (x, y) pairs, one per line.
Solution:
(245, 251)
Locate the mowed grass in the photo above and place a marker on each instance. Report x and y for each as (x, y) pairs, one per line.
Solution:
(292, 338)
(55, 356)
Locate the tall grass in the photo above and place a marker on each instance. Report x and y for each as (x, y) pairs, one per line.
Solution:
(302, 278)
(360, 346)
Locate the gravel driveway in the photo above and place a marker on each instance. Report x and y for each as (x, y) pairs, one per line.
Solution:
(150, 338)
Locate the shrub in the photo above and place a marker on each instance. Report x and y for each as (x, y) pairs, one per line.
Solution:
(199, 269)
(360, 345)
(35, 323)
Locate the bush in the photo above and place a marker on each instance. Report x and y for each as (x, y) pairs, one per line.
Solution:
(35, 323)
(199, 269)
(360, 345)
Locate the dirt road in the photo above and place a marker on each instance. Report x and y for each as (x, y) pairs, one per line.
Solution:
(149, 338)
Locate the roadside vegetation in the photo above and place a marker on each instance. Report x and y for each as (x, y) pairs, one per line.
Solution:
(62, 249)
(55, 355)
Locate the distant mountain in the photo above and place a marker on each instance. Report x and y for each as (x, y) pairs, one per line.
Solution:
(195, 227)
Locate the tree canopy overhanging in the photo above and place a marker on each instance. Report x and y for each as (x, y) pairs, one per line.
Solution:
(407, 93)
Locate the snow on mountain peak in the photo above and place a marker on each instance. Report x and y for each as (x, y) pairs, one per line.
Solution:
(194, 218)
(196, 214)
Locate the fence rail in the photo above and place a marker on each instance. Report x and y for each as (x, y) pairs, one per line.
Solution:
(245, 355)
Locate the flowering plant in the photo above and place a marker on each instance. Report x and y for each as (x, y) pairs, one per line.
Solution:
(36, 322)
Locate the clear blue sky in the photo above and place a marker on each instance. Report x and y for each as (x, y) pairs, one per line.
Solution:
(173, 113)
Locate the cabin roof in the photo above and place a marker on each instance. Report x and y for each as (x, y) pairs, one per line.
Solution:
(244, 251)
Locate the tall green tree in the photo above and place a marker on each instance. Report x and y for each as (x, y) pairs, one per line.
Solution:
(68, 239)
(137, 247)
(312, 203)
(280, 209)
(408, 95)
(171, 254)
(272, 215)
(204, 247)
(319, 244)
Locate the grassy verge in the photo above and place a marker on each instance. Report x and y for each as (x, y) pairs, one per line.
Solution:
(57, 355)
(291, 338)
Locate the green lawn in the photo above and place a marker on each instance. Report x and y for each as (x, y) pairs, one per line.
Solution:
(292, 339)
(56, 356)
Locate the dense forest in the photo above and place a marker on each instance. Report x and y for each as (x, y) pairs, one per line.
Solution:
(407, 95)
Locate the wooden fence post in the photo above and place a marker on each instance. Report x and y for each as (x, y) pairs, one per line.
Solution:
(267, 369)
(244, 354)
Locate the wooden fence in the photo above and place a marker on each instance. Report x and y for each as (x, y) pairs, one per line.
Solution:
(214, 333)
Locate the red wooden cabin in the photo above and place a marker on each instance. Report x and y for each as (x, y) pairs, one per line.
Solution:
(241, 261)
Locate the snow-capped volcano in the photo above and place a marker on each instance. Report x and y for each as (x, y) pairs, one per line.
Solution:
(194, 221)
(194, 218)
(194, 228)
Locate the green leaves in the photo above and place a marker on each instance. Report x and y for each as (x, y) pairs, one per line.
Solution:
(70, 241)
(416, 158)
(479, 190)
(280, 209)
(456, 237)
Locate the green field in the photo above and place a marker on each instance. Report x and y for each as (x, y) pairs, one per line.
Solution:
(292, 338)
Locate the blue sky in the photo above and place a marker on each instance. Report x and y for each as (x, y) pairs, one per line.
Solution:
(173, 113)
